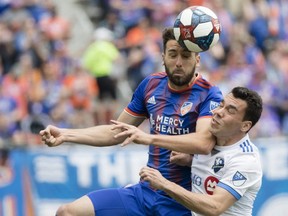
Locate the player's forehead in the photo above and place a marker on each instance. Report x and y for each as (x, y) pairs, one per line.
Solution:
(230, 100)
(173, 45)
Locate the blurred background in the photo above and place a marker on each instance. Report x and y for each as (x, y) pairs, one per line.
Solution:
(55, 55)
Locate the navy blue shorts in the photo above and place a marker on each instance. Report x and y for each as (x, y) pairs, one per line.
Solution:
(135, 200)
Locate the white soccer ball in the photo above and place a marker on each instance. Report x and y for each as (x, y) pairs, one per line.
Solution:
(197, 28)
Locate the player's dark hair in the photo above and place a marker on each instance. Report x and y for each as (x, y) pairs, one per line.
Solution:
(254, 103)
(167, 35)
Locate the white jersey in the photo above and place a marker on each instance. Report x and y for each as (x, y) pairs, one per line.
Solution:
(235, 168)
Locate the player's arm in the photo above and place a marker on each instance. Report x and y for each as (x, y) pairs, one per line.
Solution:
(204, 204)
(101, 135)
(199, 142)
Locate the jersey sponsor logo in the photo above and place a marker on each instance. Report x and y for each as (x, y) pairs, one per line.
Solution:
(171, 130)
(168, 125)
(151, 100)
(218, 164)
(152, 121)
(186, 107)
(196, 180)
(238, 179)
(213, 105)
(210, 184)
(176, 122)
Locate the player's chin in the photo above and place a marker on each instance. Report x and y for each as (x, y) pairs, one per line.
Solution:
(179, 79)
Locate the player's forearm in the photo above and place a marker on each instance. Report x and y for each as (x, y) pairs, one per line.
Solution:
(198, 203)
(194, 143)
(94, 136)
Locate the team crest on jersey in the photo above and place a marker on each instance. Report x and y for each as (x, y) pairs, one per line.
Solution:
(210, 184)
(213, 105)
(186, 107)
(218, 164)
(238, 179)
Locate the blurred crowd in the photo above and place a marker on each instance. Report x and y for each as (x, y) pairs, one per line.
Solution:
(42, 83)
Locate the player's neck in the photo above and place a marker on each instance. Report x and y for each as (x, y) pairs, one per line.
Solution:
(229, 140)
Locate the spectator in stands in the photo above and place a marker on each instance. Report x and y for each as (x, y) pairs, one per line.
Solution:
(143, 48)
(113, 22)
(55, 27)
(9, 113)
(100, 59)
(81, 89)
(8, 52)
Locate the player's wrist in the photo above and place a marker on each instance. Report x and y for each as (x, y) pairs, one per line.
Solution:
(150, 139)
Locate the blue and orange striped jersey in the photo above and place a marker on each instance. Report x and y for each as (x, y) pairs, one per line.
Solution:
(172, 112)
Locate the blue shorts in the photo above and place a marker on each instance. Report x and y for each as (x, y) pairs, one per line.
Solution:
(135, 200)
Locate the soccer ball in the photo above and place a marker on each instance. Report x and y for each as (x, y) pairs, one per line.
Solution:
(197, 28)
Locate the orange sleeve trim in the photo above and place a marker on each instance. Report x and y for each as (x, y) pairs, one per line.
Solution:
(205, 117)
(127, 110)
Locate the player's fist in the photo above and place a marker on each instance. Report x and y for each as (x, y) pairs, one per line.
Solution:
(51, 136)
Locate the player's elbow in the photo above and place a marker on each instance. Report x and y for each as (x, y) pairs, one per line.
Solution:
(207, 148)
(216, 211)
(205, 151)
(205, 142)
(201, 148)
(212, 210)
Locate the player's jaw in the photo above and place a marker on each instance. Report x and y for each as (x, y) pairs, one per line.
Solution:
(216, 124)
(179, 77)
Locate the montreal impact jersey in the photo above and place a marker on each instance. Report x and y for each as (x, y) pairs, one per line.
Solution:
(172, 112)
(235, 168)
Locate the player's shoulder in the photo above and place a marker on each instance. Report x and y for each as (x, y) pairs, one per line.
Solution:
(243, 147)
(244, 155)
(201, 81)
(246, 146)
(154, 79)
(205, 84)
(246, 151)
(157, 75)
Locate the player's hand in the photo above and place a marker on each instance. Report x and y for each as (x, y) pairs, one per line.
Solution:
(51, 136)
(154, 177)
(181, 159)
(132, 133)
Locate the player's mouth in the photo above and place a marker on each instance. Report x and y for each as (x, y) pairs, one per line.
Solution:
(178, 73)
(214, 122)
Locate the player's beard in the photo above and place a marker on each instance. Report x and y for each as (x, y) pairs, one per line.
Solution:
(180, 80)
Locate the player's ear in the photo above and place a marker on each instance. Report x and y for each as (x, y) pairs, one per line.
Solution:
(197, 57)
(163, 58)
(246, 126)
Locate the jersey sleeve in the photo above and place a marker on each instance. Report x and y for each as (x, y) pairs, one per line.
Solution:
(242, 175)
(212, 101)
(137, 106)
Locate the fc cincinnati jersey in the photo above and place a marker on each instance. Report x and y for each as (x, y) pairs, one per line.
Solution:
(172, 112)
(235, 168)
